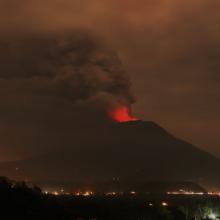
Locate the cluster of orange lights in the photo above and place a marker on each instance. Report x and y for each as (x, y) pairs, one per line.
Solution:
(87, 193)
(91, 193)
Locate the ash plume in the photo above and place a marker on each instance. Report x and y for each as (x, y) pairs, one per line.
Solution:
(54, 88)
(78, 67)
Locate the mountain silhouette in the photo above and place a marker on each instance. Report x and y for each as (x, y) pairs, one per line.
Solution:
(136, 151)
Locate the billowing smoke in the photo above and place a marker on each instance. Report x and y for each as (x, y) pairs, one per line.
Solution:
(51, 85)
(78, 67)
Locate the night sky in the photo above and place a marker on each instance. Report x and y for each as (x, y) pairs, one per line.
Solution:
(67, 64)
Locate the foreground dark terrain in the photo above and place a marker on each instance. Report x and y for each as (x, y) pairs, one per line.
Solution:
(18, 201)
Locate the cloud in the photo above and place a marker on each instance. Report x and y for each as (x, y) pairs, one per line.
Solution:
(76, 66)
(52, 87)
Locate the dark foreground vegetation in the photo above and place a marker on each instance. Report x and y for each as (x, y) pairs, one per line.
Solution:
(18, 201)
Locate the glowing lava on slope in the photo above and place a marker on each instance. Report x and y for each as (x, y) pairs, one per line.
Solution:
(122, 114)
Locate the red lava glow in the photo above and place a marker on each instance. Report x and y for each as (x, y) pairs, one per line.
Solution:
(121, 114)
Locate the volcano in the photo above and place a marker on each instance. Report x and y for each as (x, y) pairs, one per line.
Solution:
(135, 151)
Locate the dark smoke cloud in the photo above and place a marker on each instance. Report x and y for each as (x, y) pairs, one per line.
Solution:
(54, 85)
(77, 67)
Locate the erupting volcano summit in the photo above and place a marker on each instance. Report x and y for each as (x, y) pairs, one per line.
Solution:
(122, 114)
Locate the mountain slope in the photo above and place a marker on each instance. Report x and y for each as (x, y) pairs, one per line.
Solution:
(133, 151)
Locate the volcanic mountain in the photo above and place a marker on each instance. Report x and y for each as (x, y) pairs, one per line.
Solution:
(136, 151)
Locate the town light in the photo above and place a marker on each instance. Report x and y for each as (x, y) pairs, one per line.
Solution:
(164, 204)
